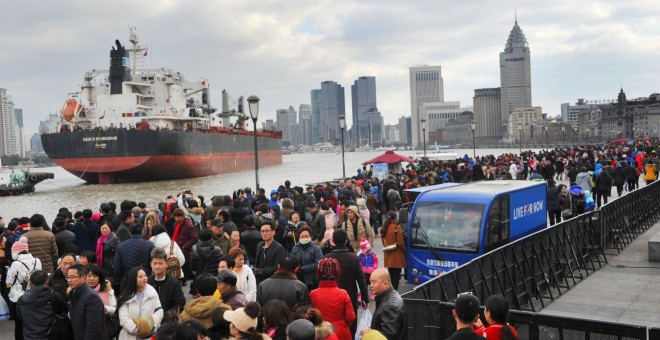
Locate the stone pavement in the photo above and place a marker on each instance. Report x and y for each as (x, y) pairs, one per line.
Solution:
(625, 291)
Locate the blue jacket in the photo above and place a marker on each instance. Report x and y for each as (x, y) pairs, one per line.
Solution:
(86, 240)
(128, 256)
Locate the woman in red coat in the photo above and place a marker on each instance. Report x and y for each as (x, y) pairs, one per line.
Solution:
(333, 303)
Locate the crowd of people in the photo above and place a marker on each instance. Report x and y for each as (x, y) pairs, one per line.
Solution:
(296, 264)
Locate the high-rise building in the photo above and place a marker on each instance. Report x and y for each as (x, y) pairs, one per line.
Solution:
(332, 106)
(318, 124)
(305, 119)
(571, 113)
(20, 135)
(35, 144)
(438, 114)
(487, 115)
(363, 99)
(282, 118)
(426, 85)
(404, 130)
(8, 128)
(515, 76)
(294, 131)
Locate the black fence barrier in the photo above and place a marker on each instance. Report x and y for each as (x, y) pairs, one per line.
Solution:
(536, 270)
(436, 323)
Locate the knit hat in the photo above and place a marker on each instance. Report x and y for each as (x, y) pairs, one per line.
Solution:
(301, 329)
(96, 217)
(467, 307)
(364, 244)
(244, 318)
(20, 245)
(328, 269)
(373, 334)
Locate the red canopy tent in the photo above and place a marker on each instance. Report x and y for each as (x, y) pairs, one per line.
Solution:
(620, 140)
(390, 157)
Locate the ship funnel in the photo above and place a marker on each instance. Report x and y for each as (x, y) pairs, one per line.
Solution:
(240, 105)
(119, 68)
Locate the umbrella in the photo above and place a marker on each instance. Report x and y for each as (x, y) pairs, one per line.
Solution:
(390, 157)
(644, 139)
(620, 140)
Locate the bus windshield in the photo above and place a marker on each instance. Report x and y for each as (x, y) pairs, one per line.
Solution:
(447, 226)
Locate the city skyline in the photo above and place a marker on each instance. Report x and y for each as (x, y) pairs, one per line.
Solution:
(280, 52)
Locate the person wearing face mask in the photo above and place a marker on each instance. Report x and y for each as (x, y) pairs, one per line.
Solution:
(309, 254)
(564, 200)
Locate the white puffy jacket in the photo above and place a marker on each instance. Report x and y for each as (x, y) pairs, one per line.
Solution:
(18, 274)
(162, 241)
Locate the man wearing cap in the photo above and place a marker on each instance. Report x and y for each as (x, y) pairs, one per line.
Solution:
(227, 288)
(220, 237)
(466, 313)
(390, 315)
(301, 329)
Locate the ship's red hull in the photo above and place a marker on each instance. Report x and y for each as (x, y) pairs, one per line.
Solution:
(115, 156)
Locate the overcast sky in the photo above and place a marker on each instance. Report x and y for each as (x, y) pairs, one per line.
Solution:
(280, 50)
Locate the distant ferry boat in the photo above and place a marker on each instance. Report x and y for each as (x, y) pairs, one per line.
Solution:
(151, 124)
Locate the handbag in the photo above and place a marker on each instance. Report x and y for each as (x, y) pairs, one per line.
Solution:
(60, 327)
(173, 264)
(112, 326)
(391, 247)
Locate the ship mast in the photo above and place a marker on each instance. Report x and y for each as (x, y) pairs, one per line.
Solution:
(137, 52)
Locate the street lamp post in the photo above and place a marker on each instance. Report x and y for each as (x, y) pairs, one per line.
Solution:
(520, 140)
(577, 136)
(253, 102)
(424, 135)
(563, 128)
(547, 144)
(474, 147)
(342, 126)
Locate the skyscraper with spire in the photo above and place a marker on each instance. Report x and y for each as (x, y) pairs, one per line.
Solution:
(515, 75)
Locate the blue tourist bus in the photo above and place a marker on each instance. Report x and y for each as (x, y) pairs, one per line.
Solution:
(451, 224)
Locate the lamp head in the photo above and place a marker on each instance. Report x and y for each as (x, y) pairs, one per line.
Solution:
(253, 102)
(472, 125)
(342, 122)
(423, 121)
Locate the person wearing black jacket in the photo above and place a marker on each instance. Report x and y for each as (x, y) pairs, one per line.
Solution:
(206, 255)
(269, 253)
(552, 195)
(351, 272)
(168, 288)
(36, 308)
(390, 315)
(631, 177)
(86, 308)
(250, 238)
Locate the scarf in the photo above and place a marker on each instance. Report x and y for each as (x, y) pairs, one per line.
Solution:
(99, 249)
(103, 295)
(175, 237)
(236, 244)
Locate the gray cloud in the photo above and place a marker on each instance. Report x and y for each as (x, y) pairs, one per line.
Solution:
(280, 50)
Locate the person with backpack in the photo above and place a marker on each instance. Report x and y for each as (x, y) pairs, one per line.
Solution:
(168, 287)
(36, 309)
(86, 232)
(18, 274)
(162, 240)
(603, 187)
(357, 228)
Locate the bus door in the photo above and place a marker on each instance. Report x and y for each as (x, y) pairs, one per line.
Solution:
(498, 224)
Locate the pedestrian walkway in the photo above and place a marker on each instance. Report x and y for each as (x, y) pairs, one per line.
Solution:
(627, 290)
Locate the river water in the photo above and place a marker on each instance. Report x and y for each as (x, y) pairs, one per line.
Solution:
(66, 190)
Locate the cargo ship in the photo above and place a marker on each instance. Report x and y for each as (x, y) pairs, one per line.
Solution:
(133, 124)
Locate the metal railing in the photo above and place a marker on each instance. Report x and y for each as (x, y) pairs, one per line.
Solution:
(536, 270)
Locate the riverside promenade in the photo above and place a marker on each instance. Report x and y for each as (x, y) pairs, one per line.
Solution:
(627, 290)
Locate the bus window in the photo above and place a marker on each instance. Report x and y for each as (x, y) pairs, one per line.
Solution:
(498, 226)
(448, 226)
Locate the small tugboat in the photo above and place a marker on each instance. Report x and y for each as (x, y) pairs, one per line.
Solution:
(20, 181)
